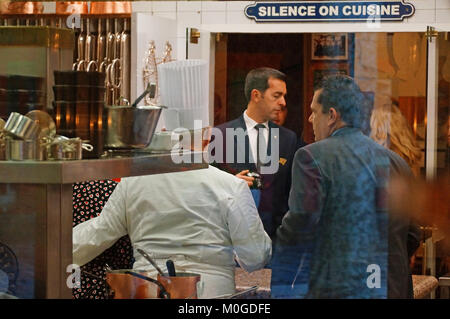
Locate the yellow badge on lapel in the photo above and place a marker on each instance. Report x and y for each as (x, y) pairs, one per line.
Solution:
(283, 161)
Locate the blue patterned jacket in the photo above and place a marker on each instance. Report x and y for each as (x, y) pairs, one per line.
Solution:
(335, 235)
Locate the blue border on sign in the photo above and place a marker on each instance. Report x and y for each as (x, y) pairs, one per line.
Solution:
(335, 14)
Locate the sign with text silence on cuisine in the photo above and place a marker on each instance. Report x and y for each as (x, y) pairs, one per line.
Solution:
(329, 11)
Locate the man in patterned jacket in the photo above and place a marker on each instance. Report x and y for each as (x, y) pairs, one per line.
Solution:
(333, 242)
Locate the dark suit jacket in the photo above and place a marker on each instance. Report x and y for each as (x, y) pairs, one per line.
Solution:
(274, 196)
(338, 226)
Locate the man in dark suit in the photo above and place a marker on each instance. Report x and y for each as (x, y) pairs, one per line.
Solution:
(335, 241)
(253, 143)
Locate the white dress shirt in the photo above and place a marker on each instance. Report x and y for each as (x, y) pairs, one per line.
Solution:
(198, 218)
(252, 133)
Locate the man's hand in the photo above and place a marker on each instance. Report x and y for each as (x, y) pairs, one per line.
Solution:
(243, 175)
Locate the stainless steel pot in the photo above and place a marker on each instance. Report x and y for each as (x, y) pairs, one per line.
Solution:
(21, 127)
(63, 148)
(131, 127)
(21, 150)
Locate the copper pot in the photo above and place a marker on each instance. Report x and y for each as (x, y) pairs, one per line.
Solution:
(183, 286)
(70, 7)
(21, 7)
(130, 284)
(111, 7)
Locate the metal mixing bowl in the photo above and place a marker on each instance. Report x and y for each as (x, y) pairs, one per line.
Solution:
(131, 127)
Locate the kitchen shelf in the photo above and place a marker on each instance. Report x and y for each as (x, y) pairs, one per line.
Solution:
(120, 164)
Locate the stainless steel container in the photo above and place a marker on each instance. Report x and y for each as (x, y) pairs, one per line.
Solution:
(21, 150)
(131, 127)
(21, 127)
(65, 149)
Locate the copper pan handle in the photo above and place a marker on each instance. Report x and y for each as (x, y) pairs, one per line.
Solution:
(112, 75)
(81, 65)
(90, 64)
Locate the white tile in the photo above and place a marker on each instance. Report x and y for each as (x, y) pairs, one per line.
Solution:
(214, 17)
(167, 15)
(142, 6)
(443, 16)
(189, 6)
(238, 17)
(214, 6)
(188, 19)
(164, 6)
(49, 7)
(238, 5)
(442, 4)
(181, 48)
(423, 16)
(422, 4)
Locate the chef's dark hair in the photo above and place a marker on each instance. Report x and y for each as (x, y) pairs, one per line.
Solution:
(259, 79)
(344, 95)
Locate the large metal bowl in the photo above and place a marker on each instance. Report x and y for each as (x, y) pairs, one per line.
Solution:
(131, 127)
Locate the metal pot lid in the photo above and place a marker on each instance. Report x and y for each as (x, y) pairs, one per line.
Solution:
(45, 122)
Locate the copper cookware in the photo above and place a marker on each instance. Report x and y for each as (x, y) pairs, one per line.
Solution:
(80, 65)
(90, 53)
(133, 284)
(21, 7)
(70, 7)
(182, 286)
(101, 45)
(108, 7)
(125, 47)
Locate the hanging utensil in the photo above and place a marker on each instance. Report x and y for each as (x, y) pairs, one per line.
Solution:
(113, 81)
(101, 45)
(117, 35)
(109, 48)
(146, 256)
(125, 47)
(81, 42)
(90, 48)
(110, 53)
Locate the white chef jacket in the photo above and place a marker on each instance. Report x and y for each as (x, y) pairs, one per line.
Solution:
(197, 218)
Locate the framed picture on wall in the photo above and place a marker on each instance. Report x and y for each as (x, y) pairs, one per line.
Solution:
(329, 46)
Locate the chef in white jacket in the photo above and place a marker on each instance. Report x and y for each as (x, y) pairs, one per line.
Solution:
(201, 219)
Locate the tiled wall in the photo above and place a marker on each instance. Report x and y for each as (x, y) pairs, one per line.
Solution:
(232, 12)
(196, 13)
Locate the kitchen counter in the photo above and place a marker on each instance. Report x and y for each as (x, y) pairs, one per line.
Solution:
(36, 212)
(117, 164)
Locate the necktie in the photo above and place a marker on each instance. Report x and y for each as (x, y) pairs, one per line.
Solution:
(261, 147)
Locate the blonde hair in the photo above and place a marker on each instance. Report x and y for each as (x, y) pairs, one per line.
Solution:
(390, 128)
